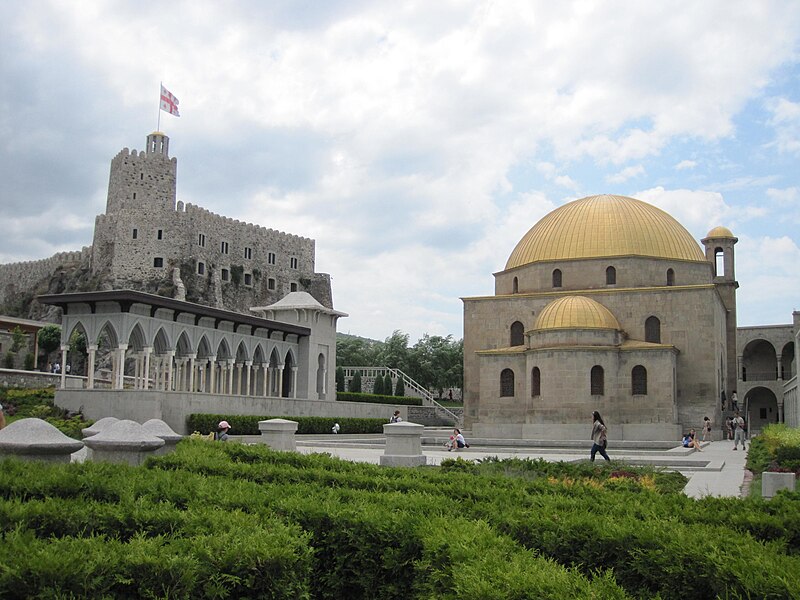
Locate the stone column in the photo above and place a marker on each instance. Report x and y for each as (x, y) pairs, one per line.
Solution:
(294, 382)
(265, 367)
(191, 372)
(278, 434)
(212, 374)
(90, 368)
(238, 379)
(230, 375)
(779, 359)
(403, 445)
(279, 391)
(168, 376)
(64, 351)
(119, 382)
(249, 365)
(147, 352)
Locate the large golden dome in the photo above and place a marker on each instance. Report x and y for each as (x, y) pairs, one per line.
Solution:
(605, 226)
(576, 312)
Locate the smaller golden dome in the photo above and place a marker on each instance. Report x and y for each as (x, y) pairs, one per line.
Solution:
(576, 312)
(720, 232)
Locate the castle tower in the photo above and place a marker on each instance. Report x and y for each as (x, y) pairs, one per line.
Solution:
(719, 244)
(143, 180)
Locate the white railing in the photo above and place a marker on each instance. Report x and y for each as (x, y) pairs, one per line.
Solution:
(415, 388)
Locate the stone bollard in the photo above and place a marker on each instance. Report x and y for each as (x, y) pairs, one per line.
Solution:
(98, 426)
(124, 442)
(772, 482)
(403, 445)
(35, 439)
(160, 429)
(278, 434)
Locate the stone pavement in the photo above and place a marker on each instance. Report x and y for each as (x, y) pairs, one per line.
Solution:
(716, 471)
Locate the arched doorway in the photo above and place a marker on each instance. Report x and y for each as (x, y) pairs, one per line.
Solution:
(760, 409)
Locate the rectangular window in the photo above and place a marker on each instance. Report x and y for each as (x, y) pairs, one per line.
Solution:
(201, 268)
(762, 413)
(248, 279)
(158, 262)
(223, 247)
(293, 262)
(201, 240)
(293, 287)
(270, 284)
(226, 275)
(134, 195)
(271, 258)
(135, 233)
(160, 234)
(248, 253)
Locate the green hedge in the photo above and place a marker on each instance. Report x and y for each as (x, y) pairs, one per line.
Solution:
(235, 520)
(378, 399)
(248, 424)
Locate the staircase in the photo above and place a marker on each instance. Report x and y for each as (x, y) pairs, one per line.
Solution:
(415, 389)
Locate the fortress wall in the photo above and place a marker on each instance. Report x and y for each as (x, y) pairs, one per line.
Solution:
(23, 276)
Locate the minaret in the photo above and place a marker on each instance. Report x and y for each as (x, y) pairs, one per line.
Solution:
(719, 244)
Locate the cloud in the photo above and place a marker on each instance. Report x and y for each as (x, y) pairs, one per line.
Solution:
(625, 174)
(772, 293)
(786, 122)
(685, 164)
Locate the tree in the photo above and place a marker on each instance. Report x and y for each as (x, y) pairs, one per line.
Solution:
(356, 352)
(400, 388)
(339, 379)
(355, 382)
(49, 339)
(387, 384)
(394, 351)
(17, 339)
(437, 362)
(377, 387)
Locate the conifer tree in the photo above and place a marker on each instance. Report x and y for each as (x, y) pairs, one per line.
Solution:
(400, 388)
(355, 383)
(339, 379)
(377, 387)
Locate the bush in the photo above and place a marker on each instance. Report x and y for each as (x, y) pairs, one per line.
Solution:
(377, 387)
(30, 361)
(400, 388)
(402, 401)
(355, 382)
(248, 424)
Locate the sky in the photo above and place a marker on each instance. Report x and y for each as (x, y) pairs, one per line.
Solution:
(416, 142)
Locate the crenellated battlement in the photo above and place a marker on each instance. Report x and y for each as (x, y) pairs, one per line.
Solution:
(204, 213)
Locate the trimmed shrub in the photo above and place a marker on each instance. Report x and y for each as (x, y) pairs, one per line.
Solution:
(248, 424)
(400, 388)
(355, 383)
(353, 397)
(377, 387)
(339, 379)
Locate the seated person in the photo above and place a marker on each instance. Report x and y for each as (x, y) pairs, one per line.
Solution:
(690, 441)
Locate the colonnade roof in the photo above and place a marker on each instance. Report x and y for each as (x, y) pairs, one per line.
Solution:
(127, 298)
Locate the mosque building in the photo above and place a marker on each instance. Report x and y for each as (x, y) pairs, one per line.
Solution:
(607, 303)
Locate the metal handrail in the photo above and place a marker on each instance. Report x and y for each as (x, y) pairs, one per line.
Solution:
(427, 397)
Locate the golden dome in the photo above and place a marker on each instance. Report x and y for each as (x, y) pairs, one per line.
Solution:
(606, 225)
(720, 232)
(576, 312)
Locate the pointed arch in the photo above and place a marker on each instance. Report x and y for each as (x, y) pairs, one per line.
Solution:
(161, 342)
(223, 350)
(184, 346)
(242, 355)
(204, 347)
(136, 339)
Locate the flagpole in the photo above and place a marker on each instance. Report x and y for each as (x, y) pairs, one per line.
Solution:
(158, 126)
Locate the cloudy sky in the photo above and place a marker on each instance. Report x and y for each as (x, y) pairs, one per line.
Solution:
(415, 141)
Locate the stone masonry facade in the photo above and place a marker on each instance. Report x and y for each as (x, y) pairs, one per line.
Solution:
(147, 240)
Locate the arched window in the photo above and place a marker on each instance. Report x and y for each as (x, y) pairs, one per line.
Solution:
(517, 334)
(557, 278)
(652, 330)
(536, 382)
(719, 262)
(515, 286)
(597, 381)
(507, 382)
(670, 277)
(611, 276)
(639, 381)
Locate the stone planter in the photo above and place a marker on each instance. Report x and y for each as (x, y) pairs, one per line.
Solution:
(35, 439)
(98, 426)
(124, 442)
(403, 445)
(160, 429)
(772, 482)
(278, 434)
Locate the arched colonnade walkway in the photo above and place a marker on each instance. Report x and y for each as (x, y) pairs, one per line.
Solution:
(158, 343)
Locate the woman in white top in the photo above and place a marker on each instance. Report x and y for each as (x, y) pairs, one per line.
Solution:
(599, 436)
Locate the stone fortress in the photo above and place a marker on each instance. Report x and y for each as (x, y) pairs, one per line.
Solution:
(147, 240)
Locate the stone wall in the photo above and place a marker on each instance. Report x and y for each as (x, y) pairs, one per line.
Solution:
(18, 279)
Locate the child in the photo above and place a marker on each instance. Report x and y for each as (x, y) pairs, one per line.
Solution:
(222, 431)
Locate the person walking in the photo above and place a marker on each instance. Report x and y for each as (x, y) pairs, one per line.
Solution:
(706, 429)
(728, 428)
(738, 431)
(599, 439)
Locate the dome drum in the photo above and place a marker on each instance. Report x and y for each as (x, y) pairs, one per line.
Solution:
(575, 338)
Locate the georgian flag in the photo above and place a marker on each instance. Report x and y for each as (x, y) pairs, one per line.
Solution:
(169, 103)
